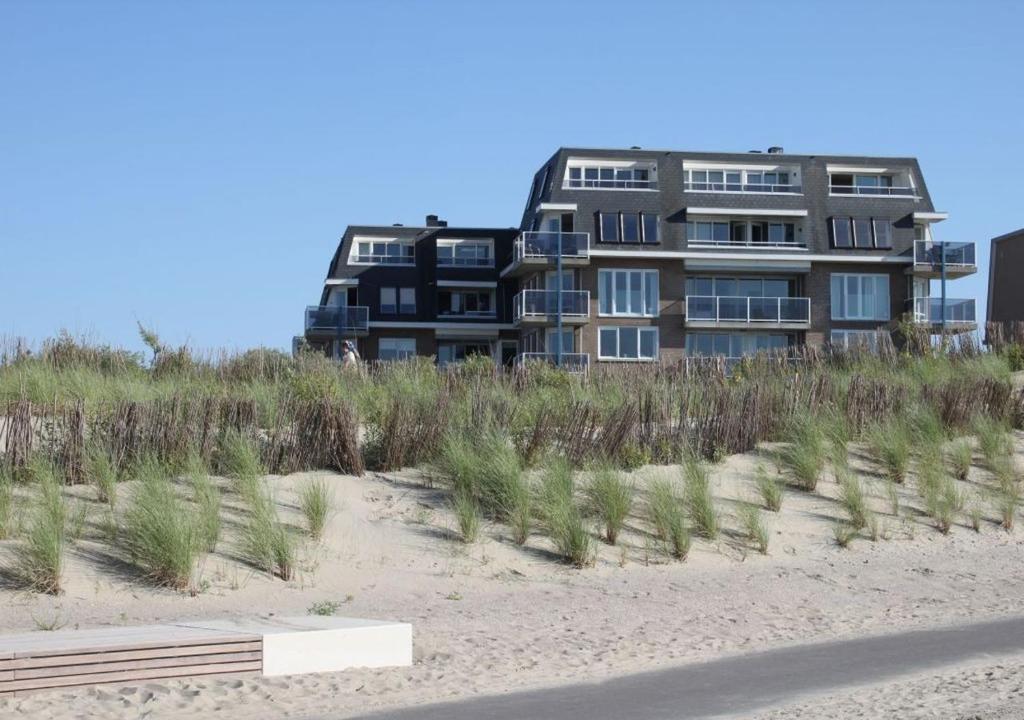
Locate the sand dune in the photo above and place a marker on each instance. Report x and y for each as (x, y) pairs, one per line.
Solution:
(492, 617)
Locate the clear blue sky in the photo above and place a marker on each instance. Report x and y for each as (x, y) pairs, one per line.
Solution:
(192, 165)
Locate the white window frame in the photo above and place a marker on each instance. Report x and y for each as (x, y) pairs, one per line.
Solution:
(617, 169)
(359, 239)
(395, 348)
(645, 282)
(860, 316)
(472, 242)
(618, 342)
(793, 171)
(900, 178)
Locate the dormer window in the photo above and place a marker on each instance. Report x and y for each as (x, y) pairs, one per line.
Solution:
(584, 174)
(452, 252)
(725, 178)
(382, 251)
(875, 182)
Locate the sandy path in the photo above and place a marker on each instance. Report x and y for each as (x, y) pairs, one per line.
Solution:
(492, 617)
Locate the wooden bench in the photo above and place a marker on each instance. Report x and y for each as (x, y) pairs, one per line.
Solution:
(42, 661)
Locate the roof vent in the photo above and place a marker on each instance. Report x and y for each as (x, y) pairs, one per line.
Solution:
(635, 147)
(758, 152)
(775, 150)
(435, 221)
(397, 225)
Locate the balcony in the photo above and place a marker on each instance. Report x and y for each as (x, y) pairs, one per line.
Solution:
(540, 250)
(540, 307)
(928, 259)
(573, 362)
(959, 312)
(722, 311)
(873, 190)
(737, 187)
(329, 321)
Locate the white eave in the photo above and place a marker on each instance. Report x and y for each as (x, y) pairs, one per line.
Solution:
(555, 207)
(341, 281)
(861, 169)
(930, 217)
(767, 212)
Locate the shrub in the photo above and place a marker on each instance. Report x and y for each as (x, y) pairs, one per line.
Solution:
(665, 511)
(891, 445)
(805, 454)
(611, 498)
(699, 501)
(316, 501)
(39, 557)
(770, 490)
(161, 533)
(754, 527)
(961, 455)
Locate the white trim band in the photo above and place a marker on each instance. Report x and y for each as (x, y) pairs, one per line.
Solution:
(768, 212)
(342, 281)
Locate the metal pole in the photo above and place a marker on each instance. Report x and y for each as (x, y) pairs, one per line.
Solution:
(942, 267)
(558, 302)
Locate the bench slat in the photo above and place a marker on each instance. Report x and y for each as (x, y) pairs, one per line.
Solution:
(135, 654)
(66, 671)
(18, 686)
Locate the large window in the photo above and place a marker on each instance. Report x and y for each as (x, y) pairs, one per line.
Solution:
(740, 232)
(383, 251)
(628, 343)
(465, 253)
(862, 233)
(398, 300)
(396, 348)
(628, 293)
(739, 287)
(860, 297)
(611, 178)
(623, 227)
(741, 180)
(475, 303)
(733, 345)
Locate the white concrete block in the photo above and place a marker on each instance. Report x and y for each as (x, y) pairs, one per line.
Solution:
(296, 645)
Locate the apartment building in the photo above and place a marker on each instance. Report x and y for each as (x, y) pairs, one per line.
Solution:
(652, 256)
(1005, 290)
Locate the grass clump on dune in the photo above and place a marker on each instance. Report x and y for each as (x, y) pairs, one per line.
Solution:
(666, 515)
(161, 531)
(805, 455)
(206, 496)
(770, 490)
(239, 460)
(994, 442)
(942, 499)
(562, 516)
(753, 526)
(611, 499)
(853, 500)
(890, 443)
(39, 556)
(6, 503)
(961, 456)
(316, 501)
(699, 501)
(467, 514)
(101, 472)
(266, 541)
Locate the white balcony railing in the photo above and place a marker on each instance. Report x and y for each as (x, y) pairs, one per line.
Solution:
(893, 191)
(539, 304)
(548, 245)
(957, 310)
(729, 187)
(752, 310)
(745, 244)
(571, 361)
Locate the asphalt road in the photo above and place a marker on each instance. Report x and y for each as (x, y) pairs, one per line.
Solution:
(738, 684)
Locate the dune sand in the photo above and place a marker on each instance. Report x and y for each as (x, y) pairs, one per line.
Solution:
(492, 617)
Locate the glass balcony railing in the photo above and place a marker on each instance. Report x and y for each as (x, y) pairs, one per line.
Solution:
(544, 244)
(723, 308)
(341, 319)
(544, 303)
(573, 362)
(957, 310)
(958, 254)
(876, 190)
(742, 187)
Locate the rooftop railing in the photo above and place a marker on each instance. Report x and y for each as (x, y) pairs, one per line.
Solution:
(928, 252)
(545, 244)
(724, 308)
(545, 303)
(341, 319)
(957, 310)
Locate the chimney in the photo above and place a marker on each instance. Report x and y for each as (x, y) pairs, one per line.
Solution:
(435, 221)
(775, 150)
